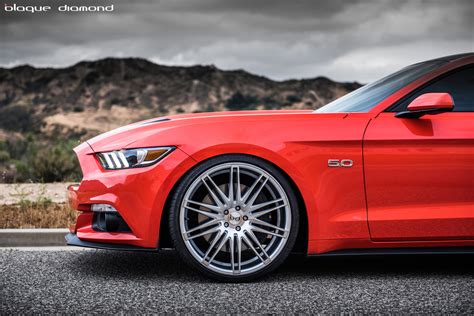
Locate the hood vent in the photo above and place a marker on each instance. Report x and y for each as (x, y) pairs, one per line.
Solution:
(156, 121)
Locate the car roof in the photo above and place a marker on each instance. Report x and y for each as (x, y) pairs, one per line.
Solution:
(451, 57)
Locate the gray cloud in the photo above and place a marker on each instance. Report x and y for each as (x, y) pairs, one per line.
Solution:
(344, 40)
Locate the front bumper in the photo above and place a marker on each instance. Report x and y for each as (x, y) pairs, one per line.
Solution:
(139, 195)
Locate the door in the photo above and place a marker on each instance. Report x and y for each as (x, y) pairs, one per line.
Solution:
(419, 173)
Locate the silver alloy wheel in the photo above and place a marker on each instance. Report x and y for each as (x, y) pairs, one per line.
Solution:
(235, 218)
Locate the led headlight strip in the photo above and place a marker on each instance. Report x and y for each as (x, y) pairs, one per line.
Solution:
(132, 158)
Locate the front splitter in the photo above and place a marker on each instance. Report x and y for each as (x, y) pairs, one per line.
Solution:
(73, 240)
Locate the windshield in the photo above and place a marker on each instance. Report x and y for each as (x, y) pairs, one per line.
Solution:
(368, 96)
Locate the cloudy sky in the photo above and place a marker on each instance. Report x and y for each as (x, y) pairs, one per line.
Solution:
(343, 40)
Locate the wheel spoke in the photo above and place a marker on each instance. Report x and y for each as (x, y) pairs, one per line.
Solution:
(224, 197)
(231, 184)
(247, 241)
(264, 231)
(221, 244)
(206, 224)
(208, 214)
(261, 213)
(263, 223)
(258, 206)
(249, 191)
(208, 206)
(238, 188)
(257, 193)
(209, 231)
(217, 189)
(231, 249)
(257, 242)
(239, 254)
(213, 195)
(213, 243)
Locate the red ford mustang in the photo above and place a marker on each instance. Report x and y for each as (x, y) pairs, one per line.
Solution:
(388, 168)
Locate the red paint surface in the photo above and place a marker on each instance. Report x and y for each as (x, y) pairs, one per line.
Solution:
(432, 101)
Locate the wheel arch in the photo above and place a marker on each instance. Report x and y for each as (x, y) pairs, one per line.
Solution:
(301, 244)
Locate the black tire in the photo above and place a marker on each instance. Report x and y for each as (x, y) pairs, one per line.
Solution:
(175, 209)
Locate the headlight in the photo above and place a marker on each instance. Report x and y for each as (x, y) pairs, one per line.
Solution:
(132, 158)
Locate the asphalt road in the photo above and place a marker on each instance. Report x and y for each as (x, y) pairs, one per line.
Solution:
(113, 282)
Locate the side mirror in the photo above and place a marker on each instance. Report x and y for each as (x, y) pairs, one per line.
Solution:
(428, 103)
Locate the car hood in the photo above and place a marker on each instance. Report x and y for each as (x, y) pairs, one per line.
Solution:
(172, 131)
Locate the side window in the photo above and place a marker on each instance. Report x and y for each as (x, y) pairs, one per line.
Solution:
(460, 84)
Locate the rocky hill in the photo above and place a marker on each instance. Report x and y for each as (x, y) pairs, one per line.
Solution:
(95, 96)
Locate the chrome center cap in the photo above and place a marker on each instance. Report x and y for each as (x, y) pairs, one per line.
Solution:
(235, 218)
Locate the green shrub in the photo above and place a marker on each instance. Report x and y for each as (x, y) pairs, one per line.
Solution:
(293, 99)
(270, 103)
(40, 161)
(238, 101)
(15, 118)
(55, 163)
(4, 156)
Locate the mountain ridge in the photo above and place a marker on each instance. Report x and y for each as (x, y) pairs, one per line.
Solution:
(90, 97)
(211, 66)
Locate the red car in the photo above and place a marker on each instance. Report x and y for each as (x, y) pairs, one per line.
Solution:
(388, 168)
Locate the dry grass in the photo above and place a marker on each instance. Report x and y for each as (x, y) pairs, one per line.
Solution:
(39, 214)
(42, 212)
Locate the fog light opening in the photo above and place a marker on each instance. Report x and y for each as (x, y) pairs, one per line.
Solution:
(108, 219)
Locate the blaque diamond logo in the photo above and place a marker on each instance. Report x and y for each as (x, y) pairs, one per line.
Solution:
(13, 7)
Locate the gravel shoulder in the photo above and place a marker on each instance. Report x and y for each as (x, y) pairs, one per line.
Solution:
(98, 281)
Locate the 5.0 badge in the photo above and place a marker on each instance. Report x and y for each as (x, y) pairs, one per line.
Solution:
(346, 163)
